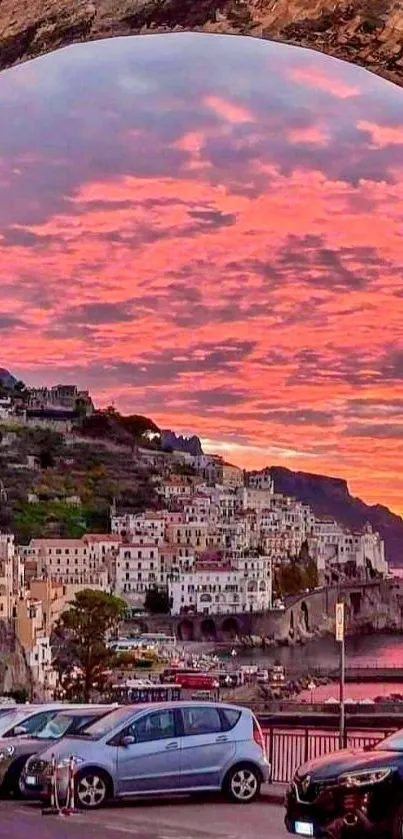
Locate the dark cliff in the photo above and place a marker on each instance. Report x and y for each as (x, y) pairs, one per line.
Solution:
(14, 671)
(6, 379)
(366, 32)
(331, 497)
(191, 445)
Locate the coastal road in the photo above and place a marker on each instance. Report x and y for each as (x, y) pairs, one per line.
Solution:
(179, 819)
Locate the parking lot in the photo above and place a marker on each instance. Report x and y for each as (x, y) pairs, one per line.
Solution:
(174, 819)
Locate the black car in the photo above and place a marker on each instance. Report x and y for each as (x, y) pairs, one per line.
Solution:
(356, 794)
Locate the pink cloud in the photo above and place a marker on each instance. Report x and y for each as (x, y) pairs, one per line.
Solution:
(382, 135)
(316, 77)
(228, 111)
(313, 134)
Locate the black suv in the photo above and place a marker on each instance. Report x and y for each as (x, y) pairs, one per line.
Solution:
(355, 794)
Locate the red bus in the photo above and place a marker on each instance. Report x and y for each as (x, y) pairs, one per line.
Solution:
(197, 681)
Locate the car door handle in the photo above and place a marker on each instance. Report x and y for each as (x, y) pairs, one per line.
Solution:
(170, 747)
(222, 739)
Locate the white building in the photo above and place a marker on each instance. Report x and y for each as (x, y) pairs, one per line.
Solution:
(137, 570)
(234, 535)
(6, 408)
(261, 480)
(254, 499)
(75, 562)
(149, 525)
(227, 504)
(244, 584)
(190, 533)
(176, 488)
(337, 549)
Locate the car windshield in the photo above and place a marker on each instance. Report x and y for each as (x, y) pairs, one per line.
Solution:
(107, 724)
(394, 743)
(55, 727)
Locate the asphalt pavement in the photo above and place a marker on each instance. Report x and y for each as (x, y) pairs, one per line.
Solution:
(204, 818)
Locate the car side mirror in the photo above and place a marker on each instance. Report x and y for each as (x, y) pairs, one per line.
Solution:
(128, 740)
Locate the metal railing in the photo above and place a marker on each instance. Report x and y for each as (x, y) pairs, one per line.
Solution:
(289, 748)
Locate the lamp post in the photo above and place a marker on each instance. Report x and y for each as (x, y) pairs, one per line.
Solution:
(340, 640)
(311, 687)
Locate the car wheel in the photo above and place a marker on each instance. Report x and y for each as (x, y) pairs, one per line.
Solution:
(397, 824)
(12, 784)
(92, 789)
(242, 784)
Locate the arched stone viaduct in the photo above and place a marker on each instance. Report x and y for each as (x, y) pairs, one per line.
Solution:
(303, 615)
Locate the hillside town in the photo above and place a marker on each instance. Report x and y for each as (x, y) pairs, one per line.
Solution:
(222, 541)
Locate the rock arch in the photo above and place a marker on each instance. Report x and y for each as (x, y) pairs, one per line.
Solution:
(331, 26)
(186, 630)
(208, 629)
(230, 627)
(356, 600)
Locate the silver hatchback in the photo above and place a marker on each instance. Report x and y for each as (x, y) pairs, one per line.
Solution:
(178, 747)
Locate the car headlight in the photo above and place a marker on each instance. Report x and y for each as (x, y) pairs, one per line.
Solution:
(365, 777)
(65, 761)
(5, 754)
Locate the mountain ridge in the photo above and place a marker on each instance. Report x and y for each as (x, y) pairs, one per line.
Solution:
(329, 496)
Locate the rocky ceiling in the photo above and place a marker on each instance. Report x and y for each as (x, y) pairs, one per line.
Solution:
(366, 32)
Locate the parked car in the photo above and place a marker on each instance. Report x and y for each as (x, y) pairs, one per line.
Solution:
(361, 789)
(14, 751)
(28, 719)
(150, 750)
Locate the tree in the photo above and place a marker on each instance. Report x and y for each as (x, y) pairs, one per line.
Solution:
(311, 573)
(290, 579)
(157, 601)
(21, 390)
(46, 459)
(81, 636)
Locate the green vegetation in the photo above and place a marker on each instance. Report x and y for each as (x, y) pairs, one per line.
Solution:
(97, 471)
(81, 635)
(31, 521)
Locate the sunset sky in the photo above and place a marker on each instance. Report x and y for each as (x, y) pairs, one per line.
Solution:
(208, 230)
